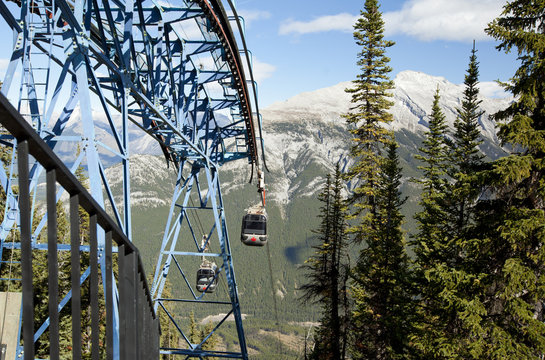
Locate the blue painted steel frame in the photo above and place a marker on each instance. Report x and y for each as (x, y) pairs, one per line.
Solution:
(134, 62)
(208, 199)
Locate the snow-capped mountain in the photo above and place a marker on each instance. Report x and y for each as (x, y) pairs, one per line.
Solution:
(412, 96)
(309, 128)
(306, 135)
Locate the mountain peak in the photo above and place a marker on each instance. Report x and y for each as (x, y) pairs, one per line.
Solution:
(335, 99)
(412, 76)
(412, 96)
(330, 99)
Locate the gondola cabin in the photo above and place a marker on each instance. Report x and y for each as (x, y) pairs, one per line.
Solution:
(207, 280)
(254, 228)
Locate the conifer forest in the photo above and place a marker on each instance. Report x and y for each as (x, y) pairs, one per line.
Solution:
(468, 281)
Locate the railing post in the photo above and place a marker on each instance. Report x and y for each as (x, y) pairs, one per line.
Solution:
(123, 333)
(128, 300)
(93, 261)
(109, 298)
(26, 250)
(140, 303)
(75, 276)
(52, 264)
(156, 339)
(131, 278)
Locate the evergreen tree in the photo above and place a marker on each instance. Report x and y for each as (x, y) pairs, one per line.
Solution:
(432, 223)
(380, 294)
(170, 337)
(466, 156)
(327, 271)
(9, 267)
(383, 306)
(431, 243)
(370, 103)
(462, 296)
(317, 289)
(212, 341)
(449, 268)
(197, 333)
(193, 329)
(511, 217)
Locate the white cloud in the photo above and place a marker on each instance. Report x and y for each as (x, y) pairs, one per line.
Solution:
(340, 22)
(262, 70)
(453, 20)
(204, 62)
(493, 90)
(163, 3)
(188, 30)
(253, 15)
(427, 20)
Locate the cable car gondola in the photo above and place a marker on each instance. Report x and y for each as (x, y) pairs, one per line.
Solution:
(207, 280)
(254, 227)
(207, 275)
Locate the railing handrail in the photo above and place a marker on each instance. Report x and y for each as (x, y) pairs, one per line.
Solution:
(21, 130)
(138, 324)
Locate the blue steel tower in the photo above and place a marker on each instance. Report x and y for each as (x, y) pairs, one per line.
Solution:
(89, 75)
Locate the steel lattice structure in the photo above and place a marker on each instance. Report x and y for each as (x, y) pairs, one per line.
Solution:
(87, 74)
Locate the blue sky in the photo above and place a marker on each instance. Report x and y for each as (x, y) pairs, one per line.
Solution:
(304, 45)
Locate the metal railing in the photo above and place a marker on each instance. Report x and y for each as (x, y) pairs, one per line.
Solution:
(131, 325)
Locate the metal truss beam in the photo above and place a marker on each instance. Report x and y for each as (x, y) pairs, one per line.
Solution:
(86, 72)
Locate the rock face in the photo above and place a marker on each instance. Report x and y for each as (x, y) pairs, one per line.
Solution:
(306, 134)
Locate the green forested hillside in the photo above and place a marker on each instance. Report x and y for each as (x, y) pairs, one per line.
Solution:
(290, 230)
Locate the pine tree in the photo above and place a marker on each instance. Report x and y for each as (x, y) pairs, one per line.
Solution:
(466, 156)
(432, 219)
(327, 270)
(370, 103)
(317, 289)
(317, 266)
(431, 243)
(198, 333)
(461, 300)
(449, 268)
(170, 337)
(340, 315)
(212, 341)
(383, 305)
(9, 268)
(511, 217)
(193, 329)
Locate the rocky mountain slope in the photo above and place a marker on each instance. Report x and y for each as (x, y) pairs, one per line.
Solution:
(308, 129)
